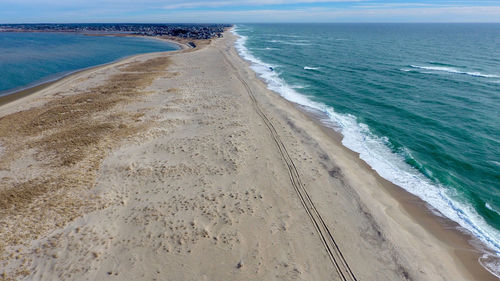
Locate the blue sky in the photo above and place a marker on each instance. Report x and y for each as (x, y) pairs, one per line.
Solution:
(233, 11)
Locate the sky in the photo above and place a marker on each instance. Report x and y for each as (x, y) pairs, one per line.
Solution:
(247, 11)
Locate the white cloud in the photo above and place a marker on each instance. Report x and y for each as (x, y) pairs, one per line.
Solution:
(401, 5)
(259, 11)
(212, 4)
(414, 14)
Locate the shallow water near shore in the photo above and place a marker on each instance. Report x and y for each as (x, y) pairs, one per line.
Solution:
(28, 59)
(419, 102)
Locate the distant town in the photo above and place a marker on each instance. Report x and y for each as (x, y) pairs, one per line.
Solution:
(187, 31)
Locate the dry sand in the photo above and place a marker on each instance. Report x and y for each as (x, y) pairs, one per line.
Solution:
(183, 166)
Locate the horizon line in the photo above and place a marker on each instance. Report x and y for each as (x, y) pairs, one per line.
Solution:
(284, 22)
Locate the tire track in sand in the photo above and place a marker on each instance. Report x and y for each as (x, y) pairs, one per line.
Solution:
(331, 246)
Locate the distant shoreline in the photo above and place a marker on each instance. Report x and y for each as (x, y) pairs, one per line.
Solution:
(186, 31)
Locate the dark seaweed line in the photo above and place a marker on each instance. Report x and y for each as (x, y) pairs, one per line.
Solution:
(332, 248)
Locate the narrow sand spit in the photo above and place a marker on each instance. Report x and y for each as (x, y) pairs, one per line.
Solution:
(182, 166)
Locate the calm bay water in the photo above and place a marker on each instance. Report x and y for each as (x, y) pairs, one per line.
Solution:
(419, 102)
(30, 58)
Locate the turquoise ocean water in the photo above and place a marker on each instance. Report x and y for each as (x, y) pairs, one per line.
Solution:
(27, 59)
(419, 102)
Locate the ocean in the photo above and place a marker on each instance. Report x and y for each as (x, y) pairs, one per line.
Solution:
(28, 59)
(419, 102)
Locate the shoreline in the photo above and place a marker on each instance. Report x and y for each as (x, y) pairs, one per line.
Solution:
(23, 91)
(184, 202)
(467, 248)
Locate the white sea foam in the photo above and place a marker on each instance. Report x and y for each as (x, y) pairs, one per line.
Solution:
(491, 264)
(295, 42)
(311, 68)
(491, 208)
(455, 70)
(374, 150)
(267, 49)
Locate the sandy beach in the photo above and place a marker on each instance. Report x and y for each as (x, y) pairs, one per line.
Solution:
(183, 166)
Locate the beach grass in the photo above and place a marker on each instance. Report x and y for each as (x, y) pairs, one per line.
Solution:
(68, 136)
